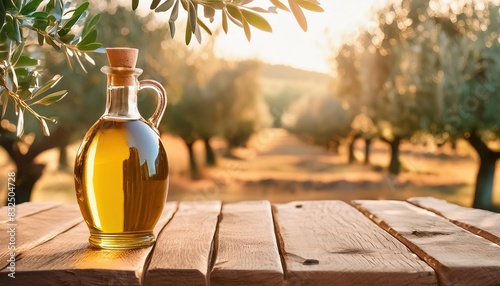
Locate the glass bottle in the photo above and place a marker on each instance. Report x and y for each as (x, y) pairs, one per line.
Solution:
(121, 168)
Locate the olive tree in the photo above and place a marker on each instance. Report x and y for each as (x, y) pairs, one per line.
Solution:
(469, 87)
(402, 70)
(349, 87)
(320, 119)
(240, 109)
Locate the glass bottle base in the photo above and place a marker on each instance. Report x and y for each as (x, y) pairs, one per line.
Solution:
(121, 240)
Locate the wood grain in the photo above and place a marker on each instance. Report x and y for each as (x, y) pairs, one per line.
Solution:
(26, 209)
(68, 260)
(247, 250)
(480, 222)
(31, 231)
(183, 249)
(331, 243)
(458, 256)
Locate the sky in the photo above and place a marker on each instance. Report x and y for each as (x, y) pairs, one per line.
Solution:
(289, 45)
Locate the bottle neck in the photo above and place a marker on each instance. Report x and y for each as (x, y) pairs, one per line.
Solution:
(121, 102)
(121, 97)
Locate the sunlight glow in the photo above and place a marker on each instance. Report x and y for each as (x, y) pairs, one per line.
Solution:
(289, 45)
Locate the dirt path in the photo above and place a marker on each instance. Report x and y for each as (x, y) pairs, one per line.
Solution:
(279, 167)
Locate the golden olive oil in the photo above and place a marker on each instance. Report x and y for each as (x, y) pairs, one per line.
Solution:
(121, 179)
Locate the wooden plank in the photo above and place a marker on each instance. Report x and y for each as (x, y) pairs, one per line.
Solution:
(183, 249)
(26, 209)
(458, 256)
(247, 250)
(68, 260)
(331, 243)
(31, 231)
(480, 222)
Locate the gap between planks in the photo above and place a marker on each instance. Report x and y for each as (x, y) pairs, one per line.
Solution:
(458, 256)
(214, 247)
(280, 242)
(184, 247)
(480, 222)
(157, 235)
(332, 243)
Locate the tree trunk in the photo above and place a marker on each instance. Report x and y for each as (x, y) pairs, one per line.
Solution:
(193, 167)
(484, 183)
(454, 144)
(26, 177)
(352, 158)
(209, 152)
(486, 173)
(334, 146)
(228, 152)
(395, 164)
(368, 142)
(63, 157)
(64, 141)
(28, 173)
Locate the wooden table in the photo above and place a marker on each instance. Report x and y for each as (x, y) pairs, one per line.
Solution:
(424, 241)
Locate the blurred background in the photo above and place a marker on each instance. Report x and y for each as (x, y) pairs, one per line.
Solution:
(378, 100)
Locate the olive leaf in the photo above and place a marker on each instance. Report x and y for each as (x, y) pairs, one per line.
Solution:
(173, 17)
(224, 21)
(154, 4)
(135, 4)
(78, 12)
(256, 20)
(45, 128)
(25, 61)
(192, 16)
(89, 26)
(298, 14)
(309, 5)
(246, 27)
(5, 102)
(165, 6)
(234, 15)
(20, 122)
(30, 7)
(51, 98)
(16, 55)
(204, 26)
(48, 85)
(279, 5)
(188, 33)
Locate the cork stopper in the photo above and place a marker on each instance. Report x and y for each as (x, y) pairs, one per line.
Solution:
(122, 57)
(122, 63)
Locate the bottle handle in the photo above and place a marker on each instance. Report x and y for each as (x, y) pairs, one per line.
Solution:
(162, 100)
